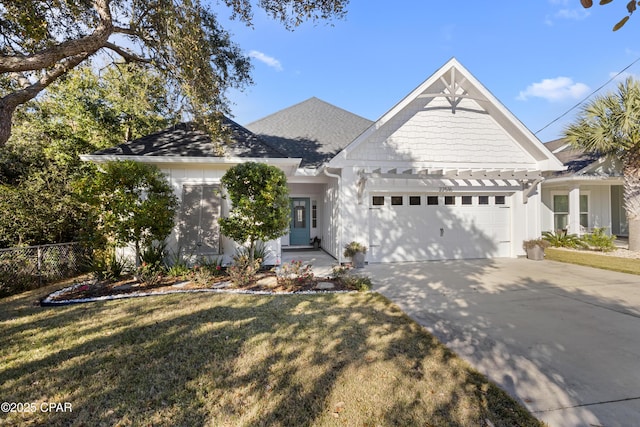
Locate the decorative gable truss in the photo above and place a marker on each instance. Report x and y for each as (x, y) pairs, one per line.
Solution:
(452, 130)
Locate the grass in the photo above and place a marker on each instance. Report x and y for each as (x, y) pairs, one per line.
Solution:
(623, 265)
(238, 360)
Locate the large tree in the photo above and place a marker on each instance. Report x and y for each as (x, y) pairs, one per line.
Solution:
(610, 124)
(631, 7)
(80, 113)
(41, 40)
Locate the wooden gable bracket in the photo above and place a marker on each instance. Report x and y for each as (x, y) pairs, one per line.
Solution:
(528, 188)
(360, 185)
(453, 91)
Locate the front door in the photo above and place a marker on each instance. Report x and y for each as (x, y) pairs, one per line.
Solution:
(300, 230)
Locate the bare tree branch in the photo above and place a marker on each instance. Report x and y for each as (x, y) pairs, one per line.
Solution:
(128, 56)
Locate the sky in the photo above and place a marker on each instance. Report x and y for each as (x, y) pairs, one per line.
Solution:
(538, 57)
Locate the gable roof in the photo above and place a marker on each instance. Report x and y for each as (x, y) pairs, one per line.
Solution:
(313, 130)
(453, 88)
(575, 159)
(186, 140)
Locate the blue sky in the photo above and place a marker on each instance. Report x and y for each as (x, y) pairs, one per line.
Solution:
(538, 57)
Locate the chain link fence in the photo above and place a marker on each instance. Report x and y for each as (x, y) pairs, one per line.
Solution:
(29, 267)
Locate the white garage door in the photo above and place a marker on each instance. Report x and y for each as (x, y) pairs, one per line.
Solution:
(435, 227)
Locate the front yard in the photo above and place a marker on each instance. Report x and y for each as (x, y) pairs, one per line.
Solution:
(594, 259)
(237, 360)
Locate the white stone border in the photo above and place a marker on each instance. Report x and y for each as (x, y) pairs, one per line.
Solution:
(50, 302)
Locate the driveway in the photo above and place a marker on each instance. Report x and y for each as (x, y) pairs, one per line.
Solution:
(562, 339)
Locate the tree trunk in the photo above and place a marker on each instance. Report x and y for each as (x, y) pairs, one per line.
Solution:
(252, 251)
(6, 116)
(632, 196)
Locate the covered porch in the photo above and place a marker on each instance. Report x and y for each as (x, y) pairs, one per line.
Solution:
(581, 205)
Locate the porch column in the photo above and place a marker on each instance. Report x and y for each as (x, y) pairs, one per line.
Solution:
(574, 210)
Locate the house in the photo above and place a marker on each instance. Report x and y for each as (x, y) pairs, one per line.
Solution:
(446, 173)
(587, 195)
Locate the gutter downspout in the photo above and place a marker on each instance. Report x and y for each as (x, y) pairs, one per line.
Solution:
(339, 225)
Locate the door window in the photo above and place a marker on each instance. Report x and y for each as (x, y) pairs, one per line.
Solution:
(299, 214)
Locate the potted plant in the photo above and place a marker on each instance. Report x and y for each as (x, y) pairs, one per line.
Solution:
(356, 252)
(535, 248)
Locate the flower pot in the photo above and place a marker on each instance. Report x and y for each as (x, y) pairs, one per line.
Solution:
(535, 253)
(358, 260)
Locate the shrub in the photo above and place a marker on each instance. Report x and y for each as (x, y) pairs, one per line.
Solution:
(206, 270)
(353, 248)
(243, 271)
(294, 274)
(339, 271)
(260, 251)
(358, 283)
(150, 273)
(599, 241)
(178, 270)
(530, 244)
(561, 239)
(108, 266)
(154, 253)
(260, 204)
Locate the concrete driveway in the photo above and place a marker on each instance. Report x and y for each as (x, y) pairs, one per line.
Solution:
(562, 339)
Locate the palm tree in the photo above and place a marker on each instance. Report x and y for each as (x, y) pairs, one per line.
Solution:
(610, 124)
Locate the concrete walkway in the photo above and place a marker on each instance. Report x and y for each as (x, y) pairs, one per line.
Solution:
(321, 262)
(563, 339)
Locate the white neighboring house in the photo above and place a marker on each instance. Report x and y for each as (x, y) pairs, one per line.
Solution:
(447, 173)
(588, 195)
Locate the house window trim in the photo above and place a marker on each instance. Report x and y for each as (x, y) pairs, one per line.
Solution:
(377, 197)
(431, 197)
(553, 195)
(588, 212)
(568, 213)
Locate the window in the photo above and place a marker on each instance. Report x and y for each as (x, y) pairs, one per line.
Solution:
(483, 200)
(396, 200)
(299, 214)
(378, 201)
(467, 200)
(415, 200)
(499, 200)
(314, 214)
(560, 211)
(432, 200)
(584, 210)
(449, 200)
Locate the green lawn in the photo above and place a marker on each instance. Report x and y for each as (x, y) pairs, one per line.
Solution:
(238, 360)
(597, 260)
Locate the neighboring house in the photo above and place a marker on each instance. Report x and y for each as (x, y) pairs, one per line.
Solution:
(447, 173)
(587, 195)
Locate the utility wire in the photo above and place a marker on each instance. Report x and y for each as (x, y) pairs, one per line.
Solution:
(588, 96)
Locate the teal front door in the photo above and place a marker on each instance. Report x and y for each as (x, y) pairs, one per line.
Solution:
(300, 230)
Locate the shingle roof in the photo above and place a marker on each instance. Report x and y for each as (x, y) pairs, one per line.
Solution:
(185, 140)
(314, 130)
(575, 159)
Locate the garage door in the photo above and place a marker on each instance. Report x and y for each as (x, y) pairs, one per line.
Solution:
(436, 227)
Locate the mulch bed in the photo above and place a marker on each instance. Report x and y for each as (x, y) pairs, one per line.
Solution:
(265, 282)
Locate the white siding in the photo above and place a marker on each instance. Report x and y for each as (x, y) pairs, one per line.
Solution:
(331, 222)
(428, 131)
